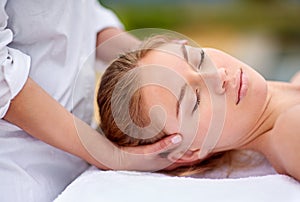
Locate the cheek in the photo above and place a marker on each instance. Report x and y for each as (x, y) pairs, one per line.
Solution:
(172, 125)
(241, 119)
(219, 58)
(204, 123)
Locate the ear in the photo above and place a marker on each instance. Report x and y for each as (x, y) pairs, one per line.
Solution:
(188, 157)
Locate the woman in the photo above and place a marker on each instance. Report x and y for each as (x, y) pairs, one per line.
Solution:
(217, 103)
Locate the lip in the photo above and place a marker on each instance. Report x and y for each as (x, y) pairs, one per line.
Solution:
(242, 84)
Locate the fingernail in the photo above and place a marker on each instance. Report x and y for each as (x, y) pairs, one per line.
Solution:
(176, 139)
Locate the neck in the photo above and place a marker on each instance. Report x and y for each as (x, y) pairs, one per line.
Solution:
(280, 97)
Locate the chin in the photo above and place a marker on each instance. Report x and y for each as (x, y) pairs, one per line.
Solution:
(254, 101)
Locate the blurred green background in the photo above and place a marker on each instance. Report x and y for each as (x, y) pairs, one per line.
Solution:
(263, 33)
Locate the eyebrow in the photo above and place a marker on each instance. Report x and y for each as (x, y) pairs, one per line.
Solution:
(181, 95)
(202, 57)
(185, 55)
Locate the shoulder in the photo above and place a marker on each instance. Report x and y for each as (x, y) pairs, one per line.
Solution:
(287, 125)
(287, 140)
(296, 79)
(290, 117)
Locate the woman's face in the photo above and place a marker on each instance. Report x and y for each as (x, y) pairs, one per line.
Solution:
(215, 100)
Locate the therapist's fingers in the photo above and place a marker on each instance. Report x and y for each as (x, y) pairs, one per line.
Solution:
(162, 146)
(147, 157)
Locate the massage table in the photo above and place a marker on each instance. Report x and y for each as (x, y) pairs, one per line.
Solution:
(257, 183)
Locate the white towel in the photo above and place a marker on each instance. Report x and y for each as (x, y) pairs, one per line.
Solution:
(110, 186)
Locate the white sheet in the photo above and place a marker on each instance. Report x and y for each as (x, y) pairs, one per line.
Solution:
(258, 184)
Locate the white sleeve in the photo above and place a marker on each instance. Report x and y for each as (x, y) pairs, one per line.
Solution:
(14, 65)
(105, 18)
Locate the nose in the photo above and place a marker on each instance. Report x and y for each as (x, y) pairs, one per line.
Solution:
(215, 79)
(222, 79)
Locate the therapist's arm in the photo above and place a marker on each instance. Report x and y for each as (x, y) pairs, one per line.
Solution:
(112, 41)
(41, 116)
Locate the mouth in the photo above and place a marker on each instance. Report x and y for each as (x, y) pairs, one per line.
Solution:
(242, 87)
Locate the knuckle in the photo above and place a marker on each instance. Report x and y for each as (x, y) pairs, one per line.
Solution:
(162, 145)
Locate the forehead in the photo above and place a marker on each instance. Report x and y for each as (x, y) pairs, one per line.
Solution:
(158, 97)
(163, 70)
(164, 73)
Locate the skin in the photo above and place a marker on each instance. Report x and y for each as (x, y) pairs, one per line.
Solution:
(32, 106)
(261, 116)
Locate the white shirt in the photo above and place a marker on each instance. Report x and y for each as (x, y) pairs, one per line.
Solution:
(53, 42)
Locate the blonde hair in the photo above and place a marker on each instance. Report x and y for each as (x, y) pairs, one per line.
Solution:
(114, 73)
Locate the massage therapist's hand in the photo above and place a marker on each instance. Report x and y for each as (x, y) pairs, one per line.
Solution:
(106, 155)
(147, 157)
